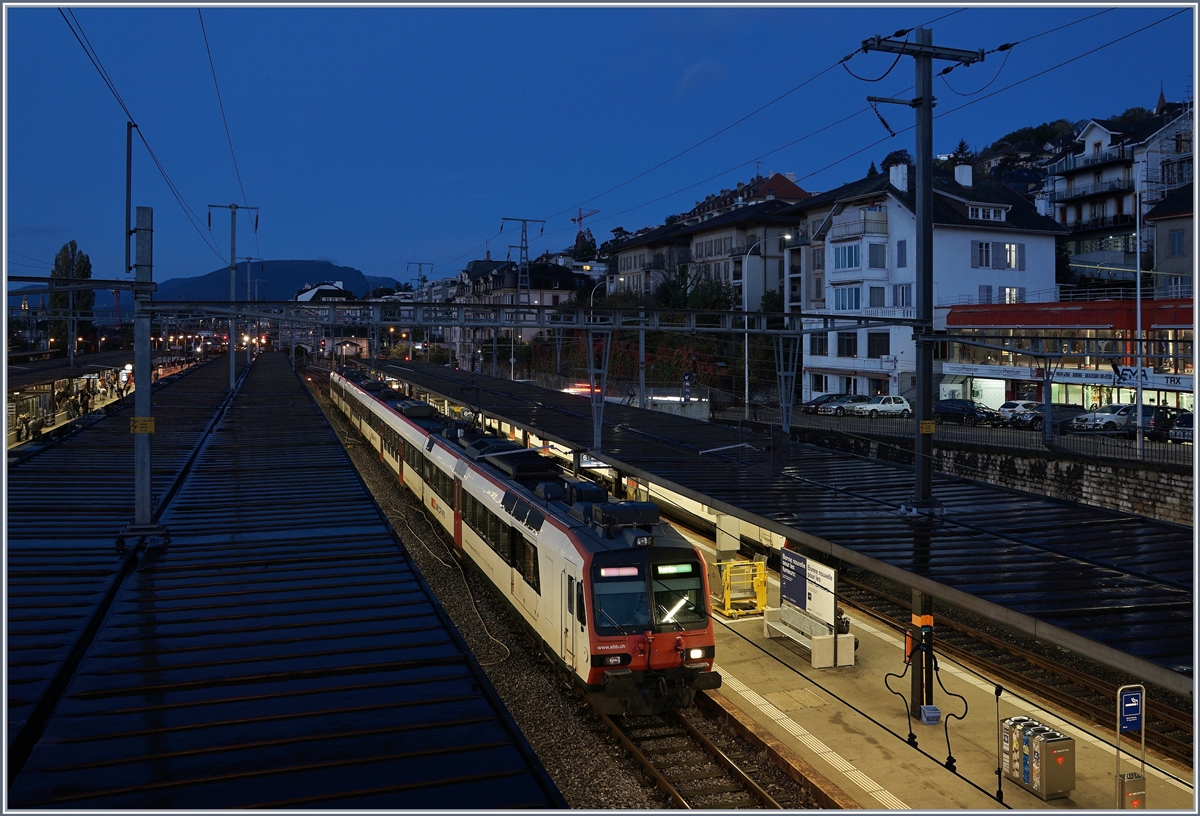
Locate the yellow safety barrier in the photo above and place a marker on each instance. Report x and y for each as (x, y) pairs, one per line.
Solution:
(743, 588)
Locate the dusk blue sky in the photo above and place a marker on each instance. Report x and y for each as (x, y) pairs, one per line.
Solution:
(377, 136)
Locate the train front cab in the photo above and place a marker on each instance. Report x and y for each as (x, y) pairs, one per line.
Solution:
(653, 643)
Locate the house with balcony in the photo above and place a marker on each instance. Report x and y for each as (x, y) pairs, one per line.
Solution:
(643, 261)
(549, 285)
(853, 255)
(744, 248)
(1113, 167)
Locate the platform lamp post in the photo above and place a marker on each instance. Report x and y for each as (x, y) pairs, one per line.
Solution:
(746, 343)
(1137, 277)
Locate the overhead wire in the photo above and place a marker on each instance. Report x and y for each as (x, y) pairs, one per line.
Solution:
(663, 163)
(94, 57)
(854, 114)
(1006, 48)
(228, 137)
(732, 124)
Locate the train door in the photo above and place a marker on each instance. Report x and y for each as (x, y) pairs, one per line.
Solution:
(458, 503)
(569, 588)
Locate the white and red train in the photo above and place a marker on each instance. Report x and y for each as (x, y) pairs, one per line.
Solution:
(617, 597)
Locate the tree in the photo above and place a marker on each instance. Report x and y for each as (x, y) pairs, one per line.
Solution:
(585, 246)
(900, 156)
(872, 170)
(713, 295)
(71, 264)
(1131, 115)
(1039, 134)
(962, 152)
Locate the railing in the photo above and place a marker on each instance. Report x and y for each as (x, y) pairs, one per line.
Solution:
(1080, 190)
(863, 226)
(1062, 295)
(1124, 219)
(1118, 446)
(1090, 160)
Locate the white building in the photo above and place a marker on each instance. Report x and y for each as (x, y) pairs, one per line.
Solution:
(854, 255)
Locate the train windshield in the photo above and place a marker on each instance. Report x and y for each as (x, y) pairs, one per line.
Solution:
(664, 597)
(678, 596)
(622, 602)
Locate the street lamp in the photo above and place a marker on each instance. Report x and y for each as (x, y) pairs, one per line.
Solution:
(592, 296)
(746, 323)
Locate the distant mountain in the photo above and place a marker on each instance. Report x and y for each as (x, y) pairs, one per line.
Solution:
(276, 280)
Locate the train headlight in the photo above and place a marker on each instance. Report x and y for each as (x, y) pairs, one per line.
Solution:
(612, 660)
(644, 541)
(695, 654)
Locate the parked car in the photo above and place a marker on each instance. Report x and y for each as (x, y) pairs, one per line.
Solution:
(1034, 416)
(813, 404)
(1181, 431)
(1158, 421)
(890, 406)
(1012, 407)
(842, 405)
(966, 411)
(1115, 416)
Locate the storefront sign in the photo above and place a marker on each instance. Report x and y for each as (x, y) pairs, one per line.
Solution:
(1124, 376)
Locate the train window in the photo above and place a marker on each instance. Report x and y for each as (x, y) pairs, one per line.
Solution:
(582, 613)
(525, 560)
(570, 595)
(534, 519)
(520, 511)
(509, 501)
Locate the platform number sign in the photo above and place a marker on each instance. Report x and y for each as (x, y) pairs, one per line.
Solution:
(1131, 710)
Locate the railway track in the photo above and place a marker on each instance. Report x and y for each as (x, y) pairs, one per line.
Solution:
(692, 762)
(1168, 729)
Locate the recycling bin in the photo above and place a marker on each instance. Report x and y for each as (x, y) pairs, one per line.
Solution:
(1038, 758)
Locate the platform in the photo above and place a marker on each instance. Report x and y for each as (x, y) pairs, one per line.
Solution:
(846, 724)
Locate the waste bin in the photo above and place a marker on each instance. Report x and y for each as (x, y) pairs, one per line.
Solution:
(1053, 765)
(1133, 791)
(1037, 757)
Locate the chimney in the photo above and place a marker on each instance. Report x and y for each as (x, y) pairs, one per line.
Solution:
(962, 174)
(899, 177)
(790, 177)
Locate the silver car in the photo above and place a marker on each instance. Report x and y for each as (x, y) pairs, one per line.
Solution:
(1010, 409)
(1113, 417)
(890, 406)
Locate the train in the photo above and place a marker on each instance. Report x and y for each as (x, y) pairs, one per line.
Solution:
(618, 599)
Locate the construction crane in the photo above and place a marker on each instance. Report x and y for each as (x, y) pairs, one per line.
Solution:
(579, 219)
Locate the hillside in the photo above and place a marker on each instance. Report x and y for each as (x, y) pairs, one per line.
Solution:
(277, 280)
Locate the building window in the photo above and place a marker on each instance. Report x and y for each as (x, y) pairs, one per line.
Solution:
(846, 257)
(877, 256)
(902, 295)
(817, 382)
(708, 249)
(845, 298)
(818, 258)
(847, 344)
(1012, 294)
(983, 255)
(901, 254)
(818, 287)
(818, 343)
(985, 294)
(876, 295)
(1176, 243)
(878, 344)
(877, 388)
(728, 244)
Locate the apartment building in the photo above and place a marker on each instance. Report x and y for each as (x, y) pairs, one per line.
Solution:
(1092, 190)
(853, 254)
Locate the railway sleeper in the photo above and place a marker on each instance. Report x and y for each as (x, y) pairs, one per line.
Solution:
(693, 777)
